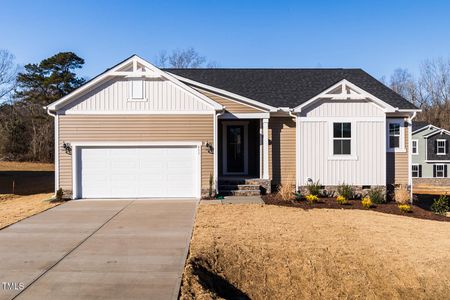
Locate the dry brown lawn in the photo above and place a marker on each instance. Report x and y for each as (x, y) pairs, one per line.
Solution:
(272, 252)
(15, 208)
(25, 166)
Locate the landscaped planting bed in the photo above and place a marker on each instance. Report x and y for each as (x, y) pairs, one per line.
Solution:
(331, 203)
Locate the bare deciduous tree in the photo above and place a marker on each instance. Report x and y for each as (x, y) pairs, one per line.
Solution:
(430, 91)
(182, 59)
(8, 72)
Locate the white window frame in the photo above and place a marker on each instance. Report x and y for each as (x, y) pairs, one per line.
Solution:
(418, 170)
(443, 170)
(132, 97)
(401, 145)
(352, 155)
(437, 147)
(415, 145)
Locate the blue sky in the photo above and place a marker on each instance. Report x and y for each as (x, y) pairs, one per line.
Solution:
(378, 36)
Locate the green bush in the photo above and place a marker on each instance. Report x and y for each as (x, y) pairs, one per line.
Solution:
(345, 191)
(440, 206)
(59, 194)
(314, 188)
(377, 195)
(298, 196)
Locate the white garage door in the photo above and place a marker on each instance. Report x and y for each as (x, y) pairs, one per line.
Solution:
(137, 172)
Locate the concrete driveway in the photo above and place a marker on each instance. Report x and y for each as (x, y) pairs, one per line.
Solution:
(98, 250)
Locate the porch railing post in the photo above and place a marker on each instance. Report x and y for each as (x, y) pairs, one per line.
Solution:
(265, 148)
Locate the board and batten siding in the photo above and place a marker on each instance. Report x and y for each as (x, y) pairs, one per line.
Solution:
(316, 160)
(282, 150)
(397, 166)
(231, 106)
(134, 128)
(160, 95)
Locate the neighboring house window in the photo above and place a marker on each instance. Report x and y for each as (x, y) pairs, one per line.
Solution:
(137, 89)
(342, 136)
(441, 147)
(415, 147)
(416, 171)
(440, 171)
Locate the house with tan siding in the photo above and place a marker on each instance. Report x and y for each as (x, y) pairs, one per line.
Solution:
(137, 131)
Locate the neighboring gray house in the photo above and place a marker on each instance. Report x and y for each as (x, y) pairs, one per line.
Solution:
(430, 154)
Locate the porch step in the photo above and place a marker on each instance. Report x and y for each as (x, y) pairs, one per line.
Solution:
(245, 187)
(240, 192)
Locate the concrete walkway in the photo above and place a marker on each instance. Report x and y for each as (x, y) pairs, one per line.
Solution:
(98, 250)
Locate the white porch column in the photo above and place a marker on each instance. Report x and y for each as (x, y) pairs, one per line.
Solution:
(265, 148)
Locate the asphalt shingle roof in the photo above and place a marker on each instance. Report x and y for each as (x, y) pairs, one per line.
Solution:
(418, 124)
(289, 87)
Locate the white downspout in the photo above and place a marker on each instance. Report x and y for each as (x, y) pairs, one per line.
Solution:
(410, 155)
(296, 148)
(56, 158)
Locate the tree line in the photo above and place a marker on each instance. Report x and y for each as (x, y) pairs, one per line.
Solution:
(27, 131)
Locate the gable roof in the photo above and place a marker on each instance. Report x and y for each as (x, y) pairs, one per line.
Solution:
(440, 131)
(289, 87)
(117, 70)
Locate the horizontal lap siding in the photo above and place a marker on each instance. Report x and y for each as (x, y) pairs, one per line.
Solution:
(231, 106)
(282, 150)
(145, 128)
(397, 164)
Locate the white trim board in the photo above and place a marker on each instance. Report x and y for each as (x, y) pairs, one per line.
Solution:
(236, 116)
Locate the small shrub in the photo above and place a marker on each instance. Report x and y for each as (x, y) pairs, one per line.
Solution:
(298, 196)
(366, 202)
(286, 191)
(59, 194)
(402, 195)
(314, 188)
(312, 199)
(376, 195)
(345, 191)
(405, 208)
(440, 206)
(341, 200)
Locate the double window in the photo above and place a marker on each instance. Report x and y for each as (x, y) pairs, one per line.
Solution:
(441, 147)
(342, 138)
(416, 171)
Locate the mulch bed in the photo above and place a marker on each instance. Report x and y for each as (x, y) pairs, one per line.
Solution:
(330, 203)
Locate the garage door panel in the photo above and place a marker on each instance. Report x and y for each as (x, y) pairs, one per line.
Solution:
(133, 172)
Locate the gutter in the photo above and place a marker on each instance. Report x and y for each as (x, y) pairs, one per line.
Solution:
(56, 142)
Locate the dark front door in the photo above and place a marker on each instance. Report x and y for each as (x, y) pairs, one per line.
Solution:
(235, 149)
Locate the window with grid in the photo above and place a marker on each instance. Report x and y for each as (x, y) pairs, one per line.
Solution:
(439, 171)
(394, 135)
(342, 138)
(415, 148)
(440, 147)
(416, 171)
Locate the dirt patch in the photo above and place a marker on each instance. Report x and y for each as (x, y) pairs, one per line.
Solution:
(25, 166)
(14, 208)
(274, 252)
(418, 211)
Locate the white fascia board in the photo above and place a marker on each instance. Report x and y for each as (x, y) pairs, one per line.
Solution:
(116, 72)
(440, 130)
(226, 93)
(230, 116)
(429, 126)
(137, 143)
(363, 95)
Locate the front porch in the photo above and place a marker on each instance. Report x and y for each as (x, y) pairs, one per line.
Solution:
(243, 157)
